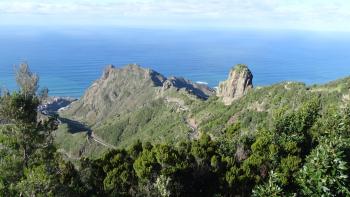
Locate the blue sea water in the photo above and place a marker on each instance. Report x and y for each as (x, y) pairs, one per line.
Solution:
(69, 59)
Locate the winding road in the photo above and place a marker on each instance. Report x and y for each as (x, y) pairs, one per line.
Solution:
(97, 139)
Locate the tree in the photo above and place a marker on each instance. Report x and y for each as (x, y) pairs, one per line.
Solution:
(27, 81)
(162, 184)
(21, 112)
(29, 162)
(326, 170)
(11, 165)
(146, 166)
(270, 188)
(37, 182)
(92, 176)
(120, 176)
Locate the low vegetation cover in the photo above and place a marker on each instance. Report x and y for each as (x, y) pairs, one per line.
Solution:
(287, 140)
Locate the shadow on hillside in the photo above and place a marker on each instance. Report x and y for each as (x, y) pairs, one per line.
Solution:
(75, 126)
(200, 90)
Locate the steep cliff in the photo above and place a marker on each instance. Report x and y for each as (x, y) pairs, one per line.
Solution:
(239, 81)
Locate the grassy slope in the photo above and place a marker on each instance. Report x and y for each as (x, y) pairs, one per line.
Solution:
(155, 122)
(77, 144)
(161, 121)
(258, 106)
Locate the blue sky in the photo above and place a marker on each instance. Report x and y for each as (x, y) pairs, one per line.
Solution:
(330, 15)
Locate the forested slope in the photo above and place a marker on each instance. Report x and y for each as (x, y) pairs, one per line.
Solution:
(287, 139)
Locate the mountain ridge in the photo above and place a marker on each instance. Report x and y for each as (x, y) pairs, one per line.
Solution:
(127, 88)
(132, 103)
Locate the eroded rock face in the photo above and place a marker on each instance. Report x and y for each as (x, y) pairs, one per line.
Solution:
(239, 81)
(121, 90)
(200, 90)
(117, 91)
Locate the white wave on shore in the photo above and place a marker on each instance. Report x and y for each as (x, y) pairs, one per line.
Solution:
(202, 82)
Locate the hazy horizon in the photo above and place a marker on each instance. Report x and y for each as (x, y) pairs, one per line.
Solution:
(303, 40)
(70, 59)
(314, 15)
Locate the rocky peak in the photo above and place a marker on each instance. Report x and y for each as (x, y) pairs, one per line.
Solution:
(107, 71)
(120, 90)
(239, 81)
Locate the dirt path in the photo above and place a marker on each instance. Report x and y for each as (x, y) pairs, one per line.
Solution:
(180, 103)
(100, 141)
(191, 122)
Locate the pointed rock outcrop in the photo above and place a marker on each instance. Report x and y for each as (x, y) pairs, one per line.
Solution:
(239, 81)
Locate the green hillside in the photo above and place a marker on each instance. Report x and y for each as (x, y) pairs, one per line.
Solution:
(175, 115)
(158, 136)
(129, 104)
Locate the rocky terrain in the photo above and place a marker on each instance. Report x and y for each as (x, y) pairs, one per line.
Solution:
(132, 103)
(134, 126)
(239, 82)
(52, 105)
(122, 90)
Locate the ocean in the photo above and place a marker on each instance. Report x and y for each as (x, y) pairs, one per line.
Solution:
(69, 59)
